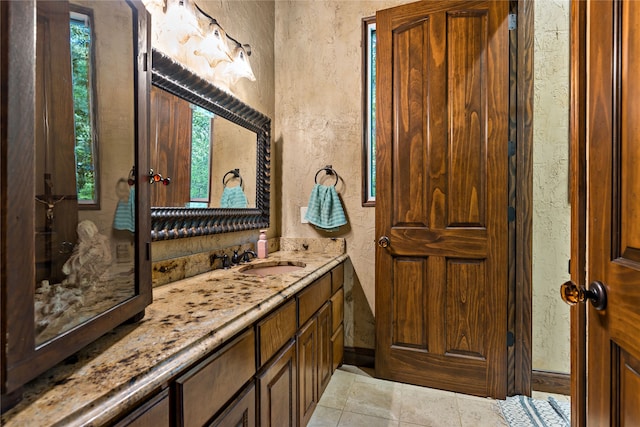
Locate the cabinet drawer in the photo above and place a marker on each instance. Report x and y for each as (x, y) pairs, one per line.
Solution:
(275, 331)
(337, 278)
(313, 297)
(204, 390)
(337, 309)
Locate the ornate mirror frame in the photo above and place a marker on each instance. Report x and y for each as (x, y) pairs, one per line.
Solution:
(175, 223)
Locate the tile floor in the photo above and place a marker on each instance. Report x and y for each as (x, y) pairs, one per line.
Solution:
(354, 398)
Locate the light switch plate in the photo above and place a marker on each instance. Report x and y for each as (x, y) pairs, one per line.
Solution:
(303, 213)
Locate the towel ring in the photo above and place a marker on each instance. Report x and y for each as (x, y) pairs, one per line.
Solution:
(330, 171)
(235, 173)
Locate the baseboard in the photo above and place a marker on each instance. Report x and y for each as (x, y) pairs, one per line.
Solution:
(358, 356)
(551, 382)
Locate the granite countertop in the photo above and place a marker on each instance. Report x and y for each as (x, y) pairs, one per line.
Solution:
(187, 320)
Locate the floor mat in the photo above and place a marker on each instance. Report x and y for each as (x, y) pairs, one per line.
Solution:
(523, 411)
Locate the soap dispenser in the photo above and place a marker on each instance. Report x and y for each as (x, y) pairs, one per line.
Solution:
(262, 244)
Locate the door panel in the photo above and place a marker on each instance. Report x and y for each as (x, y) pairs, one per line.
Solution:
(57, 207)
(613, 212)
(170, 142)
(442, 108)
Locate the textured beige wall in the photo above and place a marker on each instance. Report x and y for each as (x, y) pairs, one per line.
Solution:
(551, 216)
(318, 111)
(114, 108)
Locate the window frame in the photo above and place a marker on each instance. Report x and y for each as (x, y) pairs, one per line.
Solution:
(368, 137)
(93, 108)
(202, 202)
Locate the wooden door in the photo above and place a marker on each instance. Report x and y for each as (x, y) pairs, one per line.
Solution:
(170, 148)
(613, 212)
(55, 169)
(441, 214)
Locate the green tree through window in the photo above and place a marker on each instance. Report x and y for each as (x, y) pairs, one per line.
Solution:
(81, 46)
(200, 154)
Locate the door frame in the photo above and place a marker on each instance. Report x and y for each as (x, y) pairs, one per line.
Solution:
(578, 182)
(521, 257)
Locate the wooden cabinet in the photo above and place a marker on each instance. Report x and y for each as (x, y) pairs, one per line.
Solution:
(337, 316)
(241, 412)
(314, 361)
(278, 387)
(276, 330)
(153, 413)
(325, 361)
(307, 341)
(313, 297)
(337, 336)
(70, 272)
(206, 388)
(272, 374)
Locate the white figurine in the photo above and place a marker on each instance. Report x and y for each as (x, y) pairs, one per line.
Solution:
(90, 258)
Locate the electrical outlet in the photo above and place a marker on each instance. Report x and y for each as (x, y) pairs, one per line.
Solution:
(303, 213)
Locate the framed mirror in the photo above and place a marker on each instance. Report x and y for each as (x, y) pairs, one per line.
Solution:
(238, 166)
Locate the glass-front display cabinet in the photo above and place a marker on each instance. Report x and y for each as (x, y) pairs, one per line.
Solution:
(74, 177)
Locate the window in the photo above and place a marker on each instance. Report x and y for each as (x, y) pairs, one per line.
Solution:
(84, 118)
(369, 112)
(201, 123)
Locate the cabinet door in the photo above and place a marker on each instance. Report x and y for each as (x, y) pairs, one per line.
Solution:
(337, 316)
(77, 263)
(325, 361)
(308, 369)
(241, 412)
(278, 390)
(154, 413)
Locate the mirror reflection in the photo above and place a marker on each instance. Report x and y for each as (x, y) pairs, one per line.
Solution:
(197, 149)
(240, 139)
(85, 144)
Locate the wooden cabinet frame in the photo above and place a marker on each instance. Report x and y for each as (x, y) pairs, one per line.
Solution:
(22, 360)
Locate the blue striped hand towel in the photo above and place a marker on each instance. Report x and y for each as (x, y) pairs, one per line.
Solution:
(233, 198)
(325, 210)
(125, 218)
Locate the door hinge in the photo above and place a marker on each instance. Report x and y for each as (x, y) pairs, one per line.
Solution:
(512, 148)
(513, 21)
(511, 339)
(511, 213)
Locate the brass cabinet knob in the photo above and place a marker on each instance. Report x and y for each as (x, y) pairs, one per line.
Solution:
(573, 294)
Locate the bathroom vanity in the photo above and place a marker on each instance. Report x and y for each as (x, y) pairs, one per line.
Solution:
(225, 347)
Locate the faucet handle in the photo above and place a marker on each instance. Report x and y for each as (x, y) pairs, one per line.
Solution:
(224, 258)
(235, 258)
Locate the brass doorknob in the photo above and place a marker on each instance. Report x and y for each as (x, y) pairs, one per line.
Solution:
(573, 294)
(384, 242)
